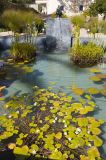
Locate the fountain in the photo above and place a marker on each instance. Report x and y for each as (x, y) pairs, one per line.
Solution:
(59, 30)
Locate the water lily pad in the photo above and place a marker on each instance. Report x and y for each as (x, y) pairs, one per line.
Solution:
(56, 155)
(93, 91)
(77, 91)
(97, 141)
(83, 157)
(95, 78)
(103, 92)
(58, 135)
(35, 147)
(58, 145)
(82, 122)
(21, 150)
(52, 83)
(93, 153)
(94, 130)
(86, 109)
(11, 146)
(19, 141)
(95, 70)
(87, 97)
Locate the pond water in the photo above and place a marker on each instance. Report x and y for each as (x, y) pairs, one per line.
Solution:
(56, 70)
(52, 69)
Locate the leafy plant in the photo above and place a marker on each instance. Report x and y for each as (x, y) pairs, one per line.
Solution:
(78, 20)
(50, 125)
(22, 51)
(20, 21)
(86, 55)
(93, 25)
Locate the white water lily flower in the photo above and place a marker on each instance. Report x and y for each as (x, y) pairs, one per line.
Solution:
(69, 139)
(35, 104)
(9, 116)
(54, 121)
(65, 133)
(17, 112)
(65, 125)
(55, 118)
(89, 145)
(88, 132)
(33, 152)
(78, 130)
(37, 131)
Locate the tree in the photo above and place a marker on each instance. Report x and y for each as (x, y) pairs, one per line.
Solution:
(6, 4)
(98, 7)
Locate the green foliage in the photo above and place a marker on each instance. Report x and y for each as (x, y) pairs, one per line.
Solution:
(59, 131)
(17, 20)
(87, 55)
(78, 20)
(98, 7)
(93, 25)
(54, 15)
(93, 10)
(102, 26)
(22, 51)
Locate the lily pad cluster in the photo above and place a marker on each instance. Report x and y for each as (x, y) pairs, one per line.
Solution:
(88, 93)
(50, 125)
(99, 77)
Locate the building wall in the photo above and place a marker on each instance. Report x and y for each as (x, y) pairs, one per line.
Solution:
(52, 6)
(70, 6)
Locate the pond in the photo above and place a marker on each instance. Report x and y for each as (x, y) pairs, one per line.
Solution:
(52, 69)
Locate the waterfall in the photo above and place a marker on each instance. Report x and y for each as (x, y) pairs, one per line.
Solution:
(59, 29)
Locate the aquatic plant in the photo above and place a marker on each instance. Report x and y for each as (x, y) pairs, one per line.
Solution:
(22, 51)
(87, 55)
(52, 126)
(78, 20)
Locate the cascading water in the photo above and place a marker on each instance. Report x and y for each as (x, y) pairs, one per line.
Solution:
(60, 29)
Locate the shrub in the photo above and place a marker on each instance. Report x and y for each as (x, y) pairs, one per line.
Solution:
(102, 26)
(22, 51)
(93, 25)
(78, 20)
(87, 55)
(39, 24)
(52, 126)
(17, 20)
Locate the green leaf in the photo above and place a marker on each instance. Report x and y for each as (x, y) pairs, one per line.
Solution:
(58, 135)
(19, 141)
(21, 150)
(56, 155)
(93, 153)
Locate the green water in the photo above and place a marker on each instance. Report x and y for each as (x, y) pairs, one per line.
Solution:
(53, 67)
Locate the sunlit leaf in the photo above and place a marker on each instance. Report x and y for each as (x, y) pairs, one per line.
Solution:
(95, 78)
(58, 135)
(77, 91)
(95, 70)
(21, 150)
(93, 153)
(93, 91)
(11, 146)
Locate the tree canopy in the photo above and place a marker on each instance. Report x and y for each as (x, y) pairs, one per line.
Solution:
(98, 7)
(5, 4)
